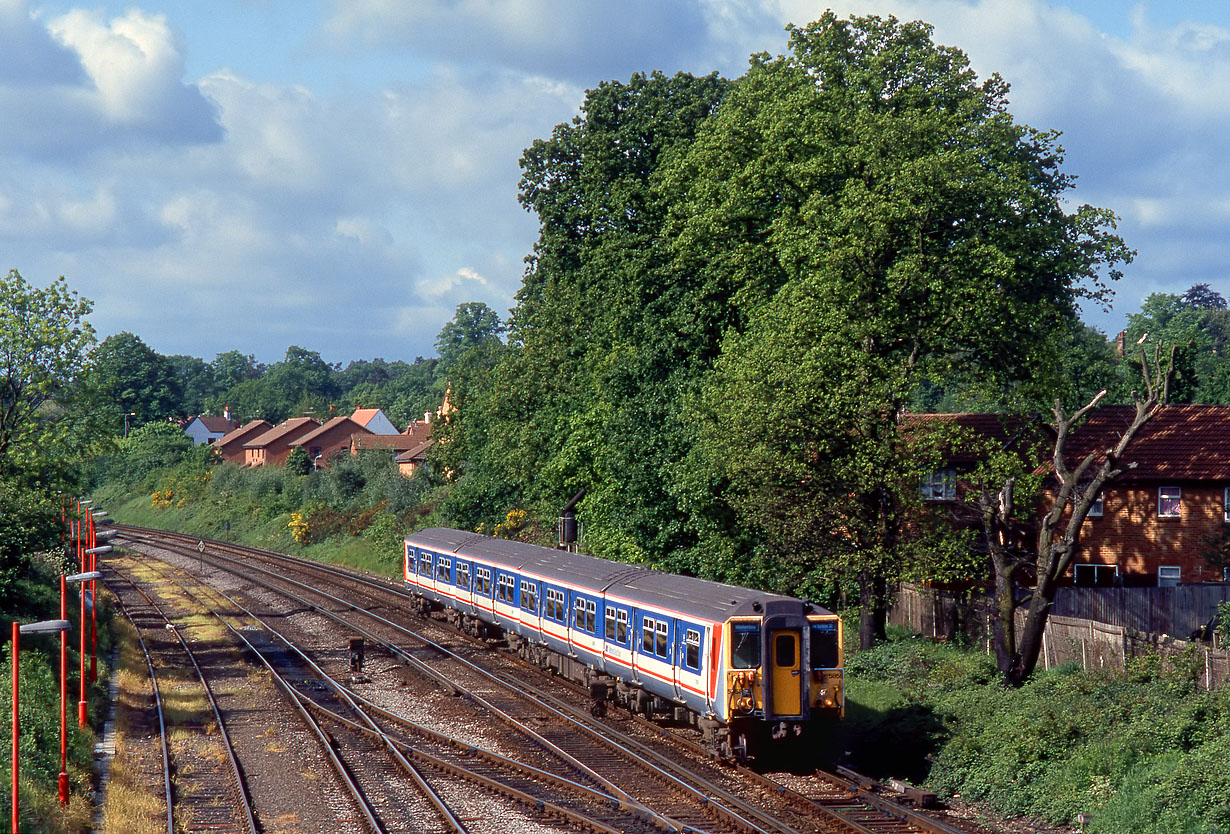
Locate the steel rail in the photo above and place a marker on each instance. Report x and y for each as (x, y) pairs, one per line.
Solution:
(240, 783)
(426, 669)
(357, 702)
(162, 727)
(361, 800)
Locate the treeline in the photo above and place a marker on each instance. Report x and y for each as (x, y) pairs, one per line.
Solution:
(142, 385)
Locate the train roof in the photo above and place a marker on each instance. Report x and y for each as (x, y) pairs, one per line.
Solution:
(703, 598)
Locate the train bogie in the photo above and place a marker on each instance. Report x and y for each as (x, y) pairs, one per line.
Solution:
(744, 666)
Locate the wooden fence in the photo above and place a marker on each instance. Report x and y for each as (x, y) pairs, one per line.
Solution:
(1107, 635)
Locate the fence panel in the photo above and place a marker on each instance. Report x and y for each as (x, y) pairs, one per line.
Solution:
(1118, 623)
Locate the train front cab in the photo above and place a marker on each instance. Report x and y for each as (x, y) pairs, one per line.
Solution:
(782, 673)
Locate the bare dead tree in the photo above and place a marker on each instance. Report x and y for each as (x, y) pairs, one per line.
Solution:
(1067, 495)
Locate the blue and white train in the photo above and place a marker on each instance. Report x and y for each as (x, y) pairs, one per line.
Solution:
(745, 666)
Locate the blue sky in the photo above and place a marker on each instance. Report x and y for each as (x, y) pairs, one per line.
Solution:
(340, 174)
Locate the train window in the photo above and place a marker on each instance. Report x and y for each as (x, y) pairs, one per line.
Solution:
(610, 623)
(691, 643)
(783, 651)
(442, 568)
(554, 608)
(621, 628)
(584, 612)
(463, 575)
(482, 581)
(424, 563)
(507, 586)
(647, 635)
(662, 647)
(745, 651)
(824, 653)
(529, 596)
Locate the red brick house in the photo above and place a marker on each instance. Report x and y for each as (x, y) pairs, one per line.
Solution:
(272, 447)
(327, 440)
(230, 447)
(1157, 523)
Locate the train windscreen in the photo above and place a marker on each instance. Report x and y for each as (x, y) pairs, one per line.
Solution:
(824, 649)
(745, 648)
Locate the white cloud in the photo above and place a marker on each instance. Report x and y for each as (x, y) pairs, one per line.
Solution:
(436, 288)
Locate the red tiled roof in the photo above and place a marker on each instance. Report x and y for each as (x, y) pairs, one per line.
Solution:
(1181, 443)
(415, 454)
(279, 431)
(329, 427)
(243, 431)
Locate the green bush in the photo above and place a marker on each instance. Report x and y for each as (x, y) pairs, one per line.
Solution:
(1140, 751)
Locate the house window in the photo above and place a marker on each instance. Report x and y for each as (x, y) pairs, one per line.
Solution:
(940, 485)
(1225, 504)
(1169, 501)
(1095, 509)
(1168, 576)
(1095, 576)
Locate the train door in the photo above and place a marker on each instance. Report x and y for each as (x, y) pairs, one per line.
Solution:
(787, 679)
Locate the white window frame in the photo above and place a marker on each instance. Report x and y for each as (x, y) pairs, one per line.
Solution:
(1225, 504)
(1097, 507)
(1177, 497)
(1096, 569)
(1169, 575)
(940, 485)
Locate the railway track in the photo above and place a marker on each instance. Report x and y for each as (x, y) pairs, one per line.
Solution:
(360, 740)
(203, 787)
(728, 798)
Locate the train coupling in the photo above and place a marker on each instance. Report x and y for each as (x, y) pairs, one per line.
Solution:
(784, 729)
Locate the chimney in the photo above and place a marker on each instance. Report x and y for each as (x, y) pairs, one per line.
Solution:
(226, 413)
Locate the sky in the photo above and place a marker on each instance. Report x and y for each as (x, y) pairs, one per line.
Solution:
(341, 174)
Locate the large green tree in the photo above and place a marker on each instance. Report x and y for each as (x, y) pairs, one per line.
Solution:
(44, 348)
(586, 393)
(136, 381)
(885, 221)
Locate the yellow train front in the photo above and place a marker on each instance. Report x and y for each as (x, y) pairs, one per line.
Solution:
(753, 670)
(781, 669)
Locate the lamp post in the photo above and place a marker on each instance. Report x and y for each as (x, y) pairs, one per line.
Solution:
(92, 575)
(126, 416)
(43, 627)
(94, 591)
(64, 580)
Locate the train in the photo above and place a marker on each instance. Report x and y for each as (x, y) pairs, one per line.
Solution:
(753, 671)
